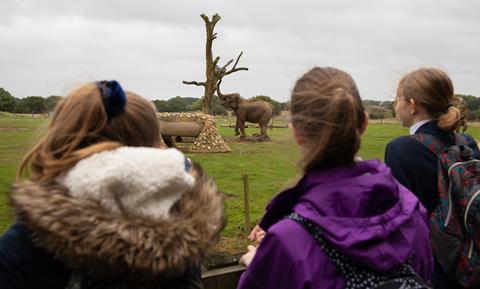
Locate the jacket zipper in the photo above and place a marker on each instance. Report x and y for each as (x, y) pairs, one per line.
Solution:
(465, 216)
(470, 250)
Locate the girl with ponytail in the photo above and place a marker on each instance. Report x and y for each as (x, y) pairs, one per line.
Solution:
(426, 104)
(341, 209)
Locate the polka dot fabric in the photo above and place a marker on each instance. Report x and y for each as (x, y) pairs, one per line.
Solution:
(358, 276)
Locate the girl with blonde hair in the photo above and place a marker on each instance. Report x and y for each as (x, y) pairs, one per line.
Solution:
(426, 104)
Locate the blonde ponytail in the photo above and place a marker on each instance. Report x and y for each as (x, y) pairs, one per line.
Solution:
(450, 120)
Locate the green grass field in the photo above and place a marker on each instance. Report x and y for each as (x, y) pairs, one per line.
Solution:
(271, 166)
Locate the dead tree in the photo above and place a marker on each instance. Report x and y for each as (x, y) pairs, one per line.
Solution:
(214, 72)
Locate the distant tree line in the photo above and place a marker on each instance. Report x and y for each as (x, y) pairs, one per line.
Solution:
(379, 109)
(38, 104)
(30, 104)
(182, 104)
(473, 104)
(384, 109)
(376, 109)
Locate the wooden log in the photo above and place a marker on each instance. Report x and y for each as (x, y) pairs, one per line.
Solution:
(180, 128)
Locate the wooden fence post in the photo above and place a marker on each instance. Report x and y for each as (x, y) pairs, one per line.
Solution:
(246, 199)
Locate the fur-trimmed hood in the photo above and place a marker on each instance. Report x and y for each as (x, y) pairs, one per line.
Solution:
(87, 237)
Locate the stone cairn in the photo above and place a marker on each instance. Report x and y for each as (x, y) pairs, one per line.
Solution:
(209, 139)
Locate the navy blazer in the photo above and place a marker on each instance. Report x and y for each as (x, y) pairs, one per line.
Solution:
(415, 166)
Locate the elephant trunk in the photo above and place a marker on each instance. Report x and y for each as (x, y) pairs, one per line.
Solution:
(220, 95)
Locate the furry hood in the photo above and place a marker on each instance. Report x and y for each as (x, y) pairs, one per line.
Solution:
(87, 237)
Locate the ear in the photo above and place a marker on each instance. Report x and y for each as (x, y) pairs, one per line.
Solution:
(413, 106)
(298, 138)
(365, 123)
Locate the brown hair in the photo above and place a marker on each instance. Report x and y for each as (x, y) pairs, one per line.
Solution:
(462, 106)
(80, 127)
(328, 113)
(433, 89)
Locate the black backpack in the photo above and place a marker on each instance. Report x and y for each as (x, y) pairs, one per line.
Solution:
(455, 221)
(358, 276)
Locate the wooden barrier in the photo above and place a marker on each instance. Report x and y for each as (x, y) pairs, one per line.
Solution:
(223, 278)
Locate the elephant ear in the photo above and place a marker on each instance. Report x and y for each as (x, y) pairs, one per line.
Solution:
(236, 98)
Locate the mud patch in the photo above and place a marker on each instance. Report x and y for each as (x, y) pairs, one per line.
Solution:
(230, 196)
(248, 139)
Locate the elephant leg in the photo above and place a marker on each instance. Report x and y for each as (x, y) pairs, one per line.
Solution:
(263, 129)
(241, 125)
(167, 139)
(237, 125)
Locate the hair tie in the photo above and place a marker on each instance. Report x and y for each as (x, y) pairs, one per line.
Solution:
(445, 110)
(113, 97)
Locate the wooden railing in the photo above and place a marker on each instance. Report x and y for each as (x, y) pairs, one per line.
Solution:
(223, 278)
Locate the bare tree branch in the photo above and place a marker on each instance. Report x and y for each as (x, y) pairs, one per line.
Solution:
(215, 62)
(194, 83)
(227, 64)
(234, 68)
(238, 58)
(215, 19)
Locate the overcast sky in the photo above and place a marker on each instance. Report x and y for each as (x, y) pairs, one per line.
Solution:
(47, 47)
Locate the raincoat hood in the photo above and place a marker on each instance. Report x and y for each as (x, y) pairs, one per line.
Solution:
(361, 209)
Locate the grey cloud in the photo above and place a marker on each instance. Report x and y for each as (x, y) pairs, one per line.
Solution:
(151, 46)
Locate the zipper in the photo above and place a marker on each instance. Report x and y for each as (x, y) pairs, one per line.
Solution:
(470, 250)
(450, 205)
(465, 216)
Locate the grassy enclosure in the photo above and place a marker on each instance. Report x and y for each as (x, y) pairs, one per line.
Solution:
(271, 166)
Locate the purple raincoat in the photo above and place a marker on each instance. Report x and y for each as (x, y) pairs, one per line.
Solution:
(363, 211)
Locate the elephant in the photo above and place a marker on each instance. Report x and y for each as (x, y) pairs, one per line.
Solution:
(255, 111)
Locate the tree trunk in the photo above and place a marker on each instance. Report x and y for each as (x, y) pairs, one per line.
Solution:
(210, 84)
(213, 72)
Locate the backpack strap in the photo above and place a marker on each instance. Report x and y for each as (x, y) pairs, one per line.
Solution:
(432, 143)
(316, 233)
(356, 275)
(439, 148)
(460, 139)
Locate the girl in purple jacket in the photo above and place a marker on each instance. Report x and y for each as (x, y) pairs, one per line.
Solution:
(359, 213)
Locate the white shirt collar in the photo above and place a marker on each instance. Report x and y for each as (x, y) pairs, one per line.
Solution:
(417, 125)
